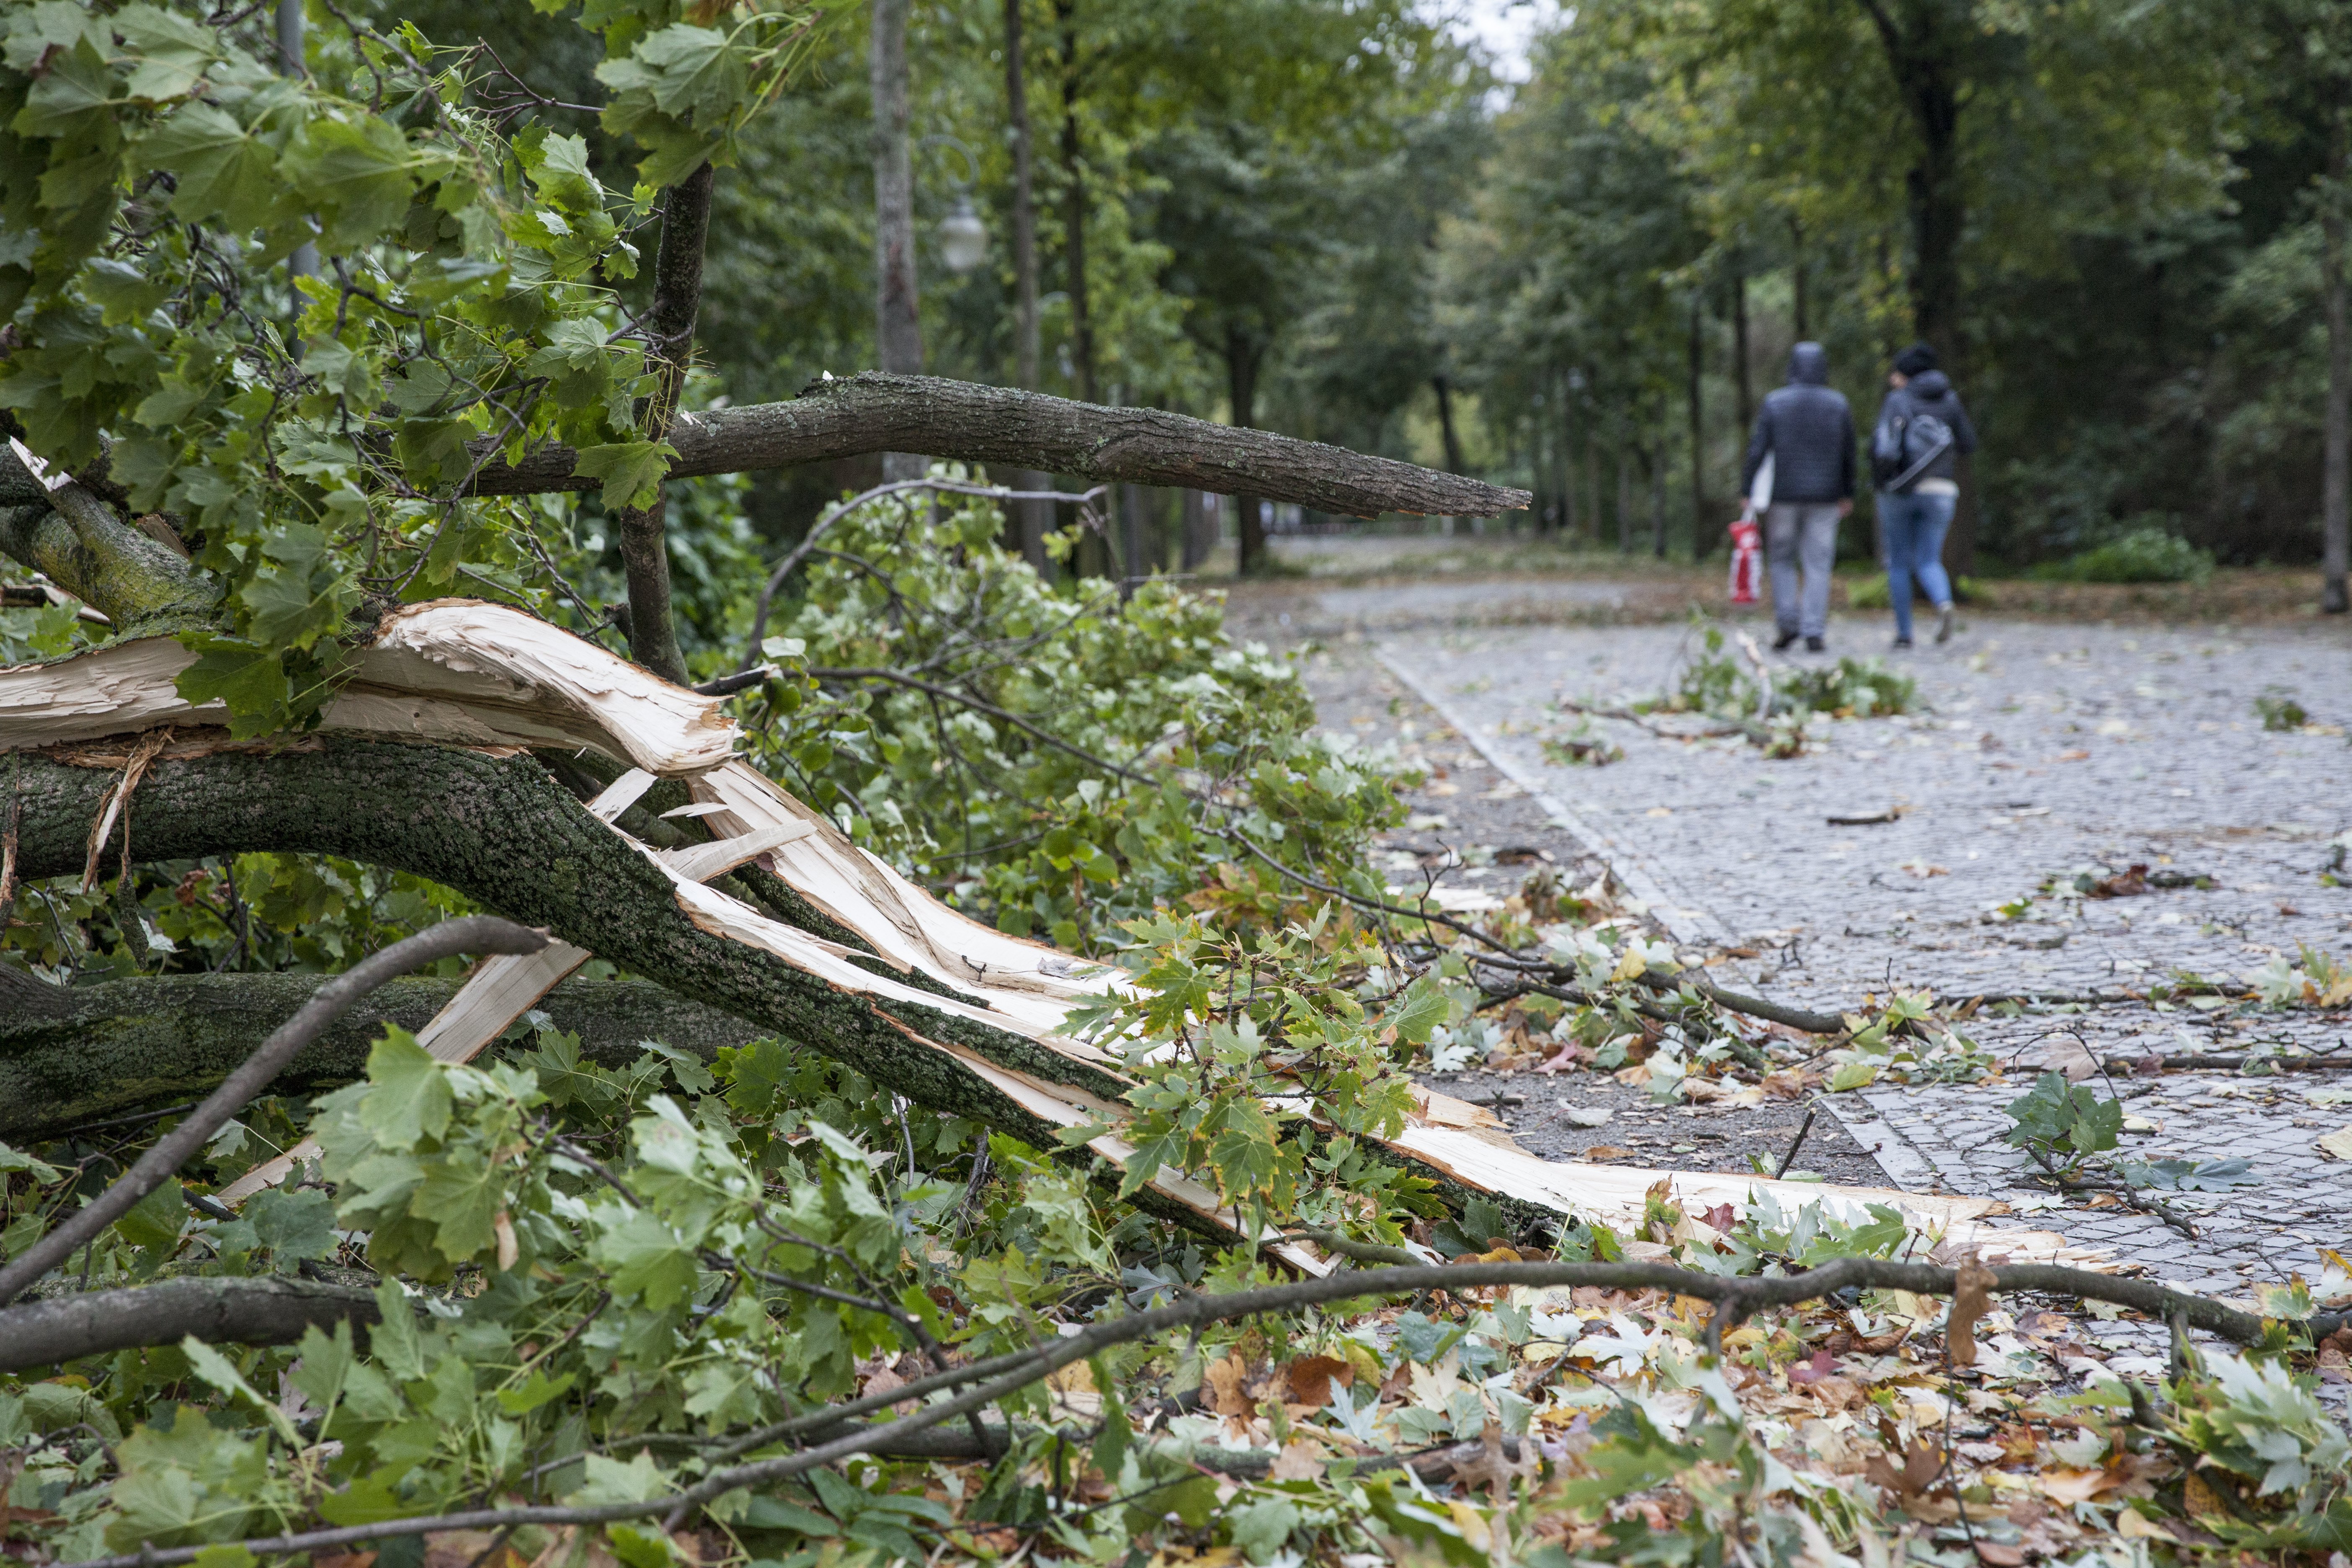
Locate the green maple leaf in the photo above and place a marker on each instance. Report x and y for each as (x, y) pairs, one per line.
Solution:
(462, 1197)
(360, 174)
(408, 1096)
(631, 470)
(221, 172)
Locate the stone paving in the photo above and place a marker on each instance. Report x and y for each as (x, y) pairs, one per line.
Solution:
(2040, 750)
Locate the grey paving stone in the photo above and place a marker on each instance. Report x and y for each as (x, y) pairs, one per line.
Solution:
(2042, 751)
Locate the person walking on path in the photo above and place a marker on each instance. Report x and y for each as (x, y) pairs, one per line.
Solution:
(1807, 431)
(1914, 449)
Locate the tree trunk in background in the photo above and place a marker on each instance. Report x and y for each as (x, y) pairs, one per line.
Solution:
(1567, 469)
(1241, 390)
(1031, 518)
(1446, 424)
(1797, 279)
(1074, 207)
(669, 333)
(1925, 69)
(1656, 463)
(1742, 385)
(1624, 502)
(1702, 533)
(897, 322)
(2335, 536)
(1199, 530)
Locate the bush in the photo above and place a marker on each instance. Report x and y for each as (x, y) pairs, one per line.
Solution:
(1871, 593)
(2142, 555)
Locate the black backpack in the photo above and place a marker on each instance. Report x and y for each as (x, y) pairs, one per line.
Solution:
(1902, 447)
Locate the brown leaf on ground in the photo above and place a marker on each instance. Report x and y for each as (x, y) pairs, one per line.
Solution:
(1601, 1151)
(1789, 1083)
(1299, 1461)
(1971, 1299)
(1311, 1378)
(1993, 1554)
(1492, 1466)
(1224, 1380)
(2129, 883)
(1922, 1468)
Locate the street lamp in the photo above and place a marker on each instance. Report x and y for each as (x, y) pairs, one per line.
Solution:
(963, 238)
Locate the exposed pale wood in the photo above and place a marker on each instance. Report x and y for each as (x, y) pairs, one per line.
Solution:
(500, 989)
(700, 862)
(452, 670)
(478, 674)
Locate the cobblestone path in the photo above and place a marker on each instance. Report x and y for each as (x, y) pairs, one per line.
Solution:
(2040, 751)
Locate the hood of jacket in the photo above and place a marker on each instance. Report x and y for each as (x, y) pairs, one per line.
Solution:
(1809, 365)
(1928, 385)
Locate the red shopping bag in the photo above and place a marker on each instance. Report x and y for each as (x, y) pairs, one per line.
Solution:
(1747, 559)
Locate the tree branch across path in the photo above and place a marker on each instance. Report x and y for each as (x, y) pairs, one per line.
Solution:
(1028, 430)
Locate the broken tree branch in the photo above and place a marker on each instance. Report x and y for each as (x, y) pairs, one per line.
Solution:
(265, 1312)
(468, 933)
(69, 1056)
(1025, 430)
(1736, 1298)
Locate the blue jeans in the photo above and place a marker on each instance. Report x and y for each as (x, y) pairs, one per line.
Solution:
(1914, 527)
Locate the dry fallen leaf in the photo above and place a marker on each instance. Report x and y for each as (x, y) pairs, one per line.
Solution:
(1492, 1466)
(2338, 1145)
(2135, 1526)
(1299, 1461)
(1971, 1299)
(2198, 1496)
(2077, 1486)
(1993, 1554)
(1610, 1152)
(1224, 1380)
(1311, 1378)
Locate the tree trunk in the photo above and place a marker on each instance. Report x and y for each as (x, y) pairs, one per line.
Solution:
(1031, 518)
(1445, 423)
(1074, 205)
(502, 832)
(1654, 459)
(898, 316)
(1702, 534)
(1742, 381)
(1624, 502)
(93, 1052)
(1241, 390)
(2335, 538)
(1797, 280)
(1568, 464)
(669, 331)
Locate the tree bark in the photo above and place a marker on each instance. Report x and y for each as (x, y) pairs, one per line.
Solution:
(1074, 205)
(1241, 354)
(42, 1332)
(502, 832)
(992, 425)
(1742, 384)
(94, 1052)
(2336, 485)
(670, 331)
(898, 316)
(1453, 439)
(1702, 535)
(1031, 518)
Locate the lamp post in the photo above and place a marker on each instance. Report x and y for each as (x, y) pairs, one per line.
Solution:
(963, 238)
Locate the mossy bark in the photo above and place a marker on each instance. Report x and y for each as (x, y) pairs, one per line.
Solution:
(101, 1051)
(501, 831)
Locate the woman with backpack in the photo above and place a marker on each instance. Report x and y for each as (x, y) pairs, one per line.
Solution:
(1922, 432)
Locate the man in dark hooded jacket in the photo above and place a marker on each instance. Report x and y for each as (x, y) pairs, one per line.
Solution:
(1808, 432)
(1918, 494)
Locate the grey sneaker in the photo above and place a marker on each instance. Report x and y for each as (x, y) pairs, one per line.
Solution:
(1814, 645)
(1944, 624)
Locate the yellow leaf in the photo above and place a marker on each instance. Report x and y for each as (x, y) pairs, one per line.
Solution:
(1472, 1524)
